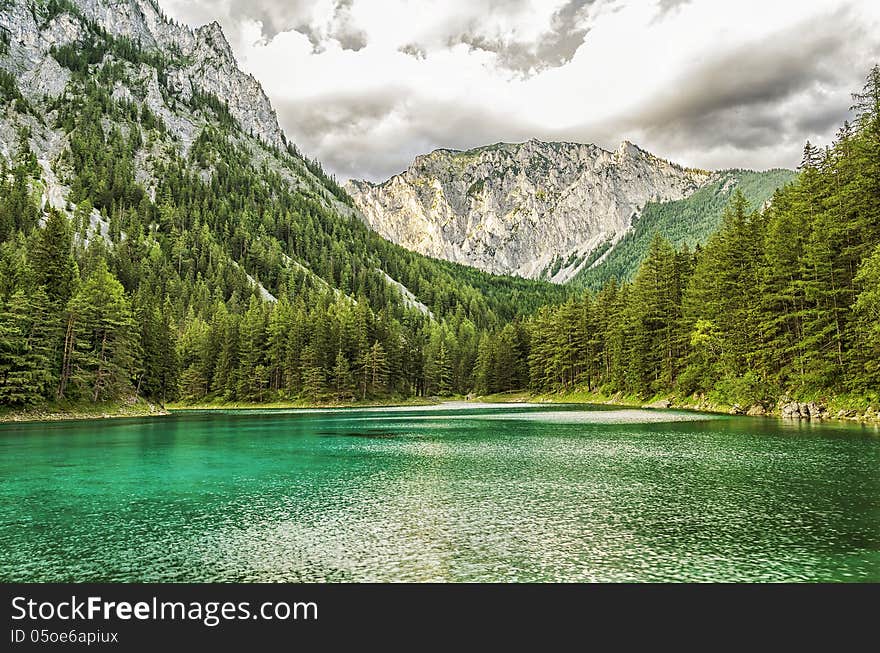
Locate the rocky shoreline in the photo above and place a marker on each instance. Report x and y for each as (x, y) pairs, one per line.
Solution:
(83, 412)
(785, 408)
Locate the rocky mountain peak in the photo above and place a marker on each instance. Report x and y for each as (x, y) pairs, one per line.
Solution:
(628, 148)
(534, 209)
(213, 36)
(199, 60)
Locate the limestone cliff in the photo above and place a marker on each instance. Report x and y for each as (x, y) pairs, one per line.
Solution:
(534, 209)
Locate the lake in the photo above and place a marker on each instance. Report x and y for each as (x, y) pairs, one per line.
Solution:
(467, 492)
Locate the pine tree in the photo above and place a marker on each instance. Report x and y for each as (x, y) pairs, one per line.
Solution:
(509, 368)
(52, 259)
(253, 380)
(656, 312)
(343, 380)
(25, 348)
(101, 350)
(484, 380)
(442, 371)
(867, 310)
(377, 367)
(224, 328)
(278, 340)
(313, 377)
(158, 374)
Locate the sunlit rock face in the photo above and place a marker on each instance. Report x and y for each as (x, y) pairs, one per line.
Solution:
(202, 59)
(534, 209)
(187, 79)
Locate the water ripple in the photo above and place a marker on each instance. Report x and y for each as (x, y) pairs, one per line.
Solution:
(518, 494)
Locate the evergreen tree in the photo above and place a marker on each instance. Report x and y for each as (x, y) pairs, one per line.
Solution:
(313, 377)
(101, 348)
(484, 380)
(343, 380)
(867, 309)
(25, 349)
(377, 367)
(53, 260)
(441, 382)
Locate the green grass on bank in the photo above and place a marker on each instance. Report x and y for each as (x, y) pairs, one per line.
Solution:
(66, 410)
(845, 406)
(243, 405)
(850, 407)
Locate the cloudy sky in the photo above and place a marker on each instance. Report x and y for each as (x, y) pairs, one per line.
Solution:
(366, 85)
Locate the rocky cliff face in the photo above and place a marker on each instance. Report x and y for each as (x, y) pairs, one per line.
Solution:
(132, 58)
(201, 59)
(534, 209)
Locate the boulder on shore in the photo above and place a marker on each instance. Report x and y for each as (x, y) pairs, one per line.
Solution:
(660, 403)
(757, 410)
(799, 410)
(790, 410)
(817, 411)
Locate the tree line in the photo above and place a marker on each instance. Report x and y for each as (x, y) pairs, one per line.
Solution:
(222, 272)
(215, 278)
(785, 299)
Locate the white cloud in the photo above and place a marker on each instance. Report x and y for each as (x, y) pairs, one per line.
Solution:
(366, 85)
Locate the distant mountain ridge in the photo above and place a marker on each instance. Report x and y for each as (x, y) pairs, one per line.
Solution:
(537, 210)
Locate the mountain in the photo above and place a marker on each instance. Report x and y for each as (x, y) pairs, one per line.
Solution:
(179, 97)
(536, 210)
(687, 222)
(140, 167)
(778, 311)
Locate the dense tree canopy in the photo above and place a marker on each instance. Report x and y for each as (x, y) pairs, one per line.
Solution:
(210, 275)
(233, 271)
(778, 300)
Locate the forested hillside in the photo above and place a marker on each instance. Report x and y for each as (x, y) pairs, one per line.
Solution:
(159, 242)
(784, 300)
(687, 222)
(188, 259)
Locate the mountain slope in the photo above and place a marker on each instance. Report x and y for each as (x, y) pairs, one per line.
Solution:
(687, 222)
(542, 210)
(118, 156)
(123, 65)
(514, 208)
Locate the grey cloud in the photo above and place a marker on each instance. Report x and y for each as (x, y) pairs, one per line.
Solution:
(343, 29)
(413, 50)
(671, 5)
(332, 127)
(275, 16)
(278, 16)
(823, 117)
(342, 113)
(779, 91)
(339, 28)
(751, 105)
(554, 48)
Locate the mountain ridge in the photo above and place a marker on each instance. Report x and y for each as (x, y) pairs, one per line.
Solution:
(502, 145)
(562, 212)
(138, 156)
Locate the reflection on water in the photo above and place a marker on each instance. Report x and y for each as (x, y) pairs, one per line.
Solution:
(512, 493)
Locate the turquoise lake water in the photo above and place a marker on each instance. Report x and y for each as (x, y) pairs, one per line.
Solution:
(449, 493)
